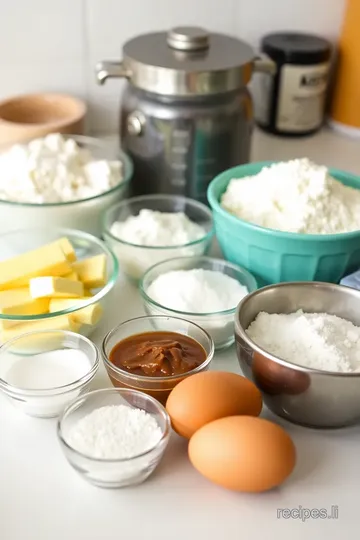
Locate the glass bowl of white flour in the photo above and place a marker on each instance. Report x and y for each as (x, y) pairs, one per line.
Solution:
(203, 290)
(114, 437)
(62, 180)
(42, 371)
(300, 343)
(146, 230)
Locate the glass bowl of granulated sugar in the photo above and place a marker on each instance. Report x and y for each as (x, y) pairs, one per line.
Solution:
(114, 437)
(203, 290)
(42, 371)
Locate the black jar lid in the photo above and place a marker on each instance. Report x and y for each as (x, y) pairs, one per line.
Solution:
(296, 48)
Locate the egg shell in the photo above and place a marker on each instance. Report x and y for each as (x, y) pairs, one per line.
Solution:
(243, 453)
(207, 396)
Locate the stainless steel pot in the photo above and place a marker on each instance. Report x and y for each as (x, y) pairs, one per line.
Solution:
(186, 111)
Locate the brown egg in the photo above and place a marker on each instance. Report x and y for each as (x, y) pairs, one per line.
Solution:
(275, 379)
(207, 396)
(243, 453)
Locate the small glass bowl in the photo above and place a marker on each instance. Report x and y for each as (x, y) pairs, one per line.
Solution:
(136, 259)
(114, 473)
(44, 402)
(85, 245)
(157, 387)
(220, 325)
(84, 214)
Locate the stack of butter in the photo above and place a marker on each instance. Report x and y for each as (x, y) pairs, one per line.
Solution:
(48, 280)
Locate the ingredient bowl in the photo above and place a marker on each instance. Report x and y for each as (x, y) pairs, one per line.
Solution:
(302, 395)
(35, 115)
(113, 473)
(158, 387)
(84, 214)
(41, 372)
(135, 259)
(274, 256)
(85, 246)
(220, 325)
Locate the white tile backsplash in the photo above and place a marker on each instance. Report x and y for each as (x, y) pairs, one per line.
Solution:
(54, 45)
(42, 47)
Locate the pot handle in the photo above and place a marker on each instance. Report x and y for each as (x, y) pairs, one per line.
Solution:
(264, 64)
(107, 69)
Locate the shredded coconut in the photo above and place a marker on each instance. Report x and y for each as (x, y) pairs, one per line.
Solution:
(196, 291)
(295, 196)
(54, 169)
(115, 432)
(152, 228)
(316, 340)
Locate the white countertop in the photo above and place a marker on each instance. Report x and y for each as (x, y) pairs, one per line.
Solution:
(42, 498)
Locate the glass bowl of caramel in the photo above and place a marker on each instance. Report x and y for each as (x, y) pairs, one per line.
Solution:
(154, 353)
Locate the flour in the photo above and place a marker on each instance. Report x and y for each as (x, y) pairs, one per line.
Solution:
(152, 228)
(114, 432)
(315, 340)
(54, 169)
(153, 237)
(196, 291)
(295, 196)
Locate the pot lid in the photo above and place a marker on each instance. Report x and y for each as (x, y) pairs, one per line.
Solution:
(188, 61)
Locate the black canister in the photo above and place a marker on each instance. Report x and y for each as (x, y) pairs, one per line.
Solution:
(292, 101)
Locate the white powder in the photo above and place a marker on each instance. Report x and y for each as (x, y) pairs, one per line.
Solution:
(54, 169)
(152, 228)
(316, 340)
(296, 196)
(196, 291)
(45, 370)
(200, 291)
(114, 432)
(43, 374)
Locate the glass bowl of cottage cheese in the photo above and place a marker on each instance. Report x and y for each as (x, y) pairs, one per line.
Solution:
(146, 230)
(203, 290)
(62, 180)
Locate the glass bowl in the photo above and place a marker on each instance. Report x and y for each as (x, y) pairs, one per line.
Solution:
(157, 387)
(114, 473)
(220, 325)
(83, 214)
(85, 245)
(24, 352)
(136, 259)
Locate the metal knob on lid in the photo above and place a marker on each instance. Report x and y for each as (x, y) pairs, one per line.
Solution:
(188, 38)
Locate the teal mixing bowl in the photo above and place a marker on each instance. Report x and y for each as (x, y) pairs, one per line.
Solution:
(275, 256)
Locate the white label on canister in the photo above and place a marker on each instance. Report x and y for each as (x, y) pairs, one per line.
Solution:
(301, 97)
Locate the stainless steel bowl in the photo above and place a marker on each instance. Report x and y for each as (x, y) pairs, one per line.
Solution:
(313, 398)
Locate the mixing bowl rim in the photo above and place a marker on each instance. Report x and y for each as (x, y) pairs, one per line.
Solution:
(241, 332)
(200, 315)
(52, 391)
(122, 156)
(92, 299)
(192, 202)
(127, 391)
(144, 378)
(285, 235)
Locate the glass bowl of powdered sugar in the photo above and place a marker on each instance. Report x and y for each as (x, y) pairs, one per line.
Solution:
(41, 372)
(146, 230)
(203, 290)
(114, 437)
